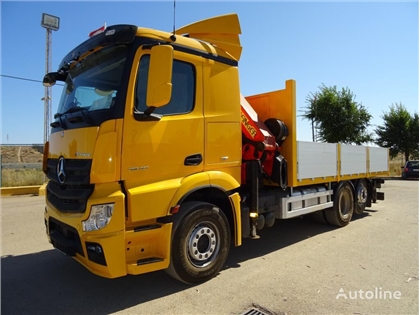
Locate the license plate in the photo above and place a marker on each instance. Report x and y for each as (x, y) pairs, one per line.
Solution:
(416, 170)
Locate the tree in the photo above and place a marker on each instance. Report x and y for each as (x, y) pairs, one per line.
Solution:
(400, 132)
(337, 116)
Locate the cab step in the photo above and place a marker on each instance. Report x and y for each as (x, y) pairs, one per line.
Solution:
(145, 265)
(149, 260)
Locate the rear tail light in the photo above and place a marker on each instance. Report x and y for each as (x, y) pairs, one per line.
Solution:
(406, 169)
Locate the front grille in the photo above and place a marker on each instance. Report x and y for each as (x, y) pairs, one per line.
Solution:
(65, 238)
(73, 193)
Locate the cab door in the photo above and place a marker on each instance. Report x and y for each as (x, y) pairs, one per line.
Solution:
(158, 153)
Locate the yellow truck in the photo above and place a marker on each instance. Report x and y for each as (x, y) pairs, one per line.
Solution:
(157, 162)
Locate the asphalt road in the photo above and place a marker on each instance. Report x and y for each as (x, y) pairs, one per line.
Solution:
(297, 267)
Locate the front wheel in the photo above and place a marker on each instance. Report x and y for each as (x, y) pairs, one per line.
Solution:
(200, 244)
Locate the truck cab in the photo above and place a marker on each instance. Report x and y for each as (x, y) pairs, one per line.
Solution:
(147, 121)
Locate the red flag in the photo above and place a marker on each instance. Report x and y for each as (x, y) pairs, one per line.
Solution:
(98, 31)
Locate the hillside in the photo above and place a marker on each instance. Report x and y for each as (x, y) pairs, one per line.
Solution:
(21, 154)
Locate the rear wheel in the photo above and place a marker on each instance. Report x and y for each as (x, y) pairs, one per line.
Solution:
(319, 216)
(200, 245)
(343, 206)
(361, 196)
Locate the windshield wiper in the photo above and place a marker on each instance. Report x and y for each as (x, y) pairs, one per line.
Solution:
(72, 109)
(75, 119)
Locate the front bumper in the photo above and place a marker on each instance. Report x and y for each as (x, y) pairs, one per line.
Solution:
(113, 251)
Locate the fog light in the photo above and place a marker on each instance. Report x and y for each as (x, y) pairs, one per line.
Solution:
(100, 216)
(96, 253)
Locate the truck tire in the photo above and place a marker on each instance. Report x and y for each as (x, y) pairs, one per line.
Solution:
(318, 216)
(361, 196)
(343, 206)
(200, 244)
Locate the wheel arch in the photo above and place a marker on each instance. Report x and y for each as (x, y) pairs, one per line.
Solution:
(215, 187)
(209, 194)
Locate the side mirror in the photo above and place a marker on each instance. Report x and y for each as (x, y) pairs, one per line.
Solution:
(159, 85)
(51, 78)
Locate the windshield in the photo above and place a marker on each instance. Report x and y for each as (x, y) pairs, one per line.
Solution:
(94, 82)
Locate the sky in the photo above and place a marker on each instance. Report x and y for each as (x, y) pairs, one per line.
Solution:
(372, 48)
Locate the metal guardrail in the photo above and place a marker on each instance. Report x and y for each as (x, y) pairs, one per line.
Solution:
(21, 165)
(22, 145)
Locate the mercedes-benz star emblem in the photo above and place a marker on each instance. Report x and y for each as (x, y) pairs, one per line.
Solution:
(61, 175)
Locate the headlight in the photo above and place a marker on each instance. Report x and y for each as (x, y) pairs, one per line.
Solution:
(100, 216)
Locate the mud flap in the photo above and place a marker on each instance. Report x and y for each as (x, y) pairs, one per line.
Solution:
(235, 202)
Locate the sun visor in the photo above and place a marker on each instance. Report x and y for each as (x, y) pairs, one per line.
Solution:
(221, 31)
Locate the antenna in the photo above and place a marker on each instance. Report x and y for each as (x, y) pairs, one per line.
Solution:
(173, 37)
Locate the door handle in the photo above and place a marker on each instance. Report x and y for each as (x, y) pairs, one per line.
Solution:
(193, 160)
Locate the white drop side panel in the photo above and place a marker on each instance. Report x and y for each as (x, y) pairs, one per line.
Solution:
(353, 159)
(316, 159)
(378, 159)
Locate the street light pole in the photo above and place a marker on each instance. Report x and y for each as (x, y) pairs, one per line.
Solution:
(50, 23)
(47, 89)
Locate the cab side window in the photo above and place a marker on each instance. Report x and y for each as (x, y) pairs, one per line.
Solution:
(183, 88)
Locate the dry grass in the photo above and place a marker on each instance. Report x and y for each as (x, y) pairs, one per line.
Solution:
(21, 177)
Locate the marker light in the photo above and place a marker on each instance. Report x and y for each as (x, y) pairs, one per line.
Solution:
(100, 216)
